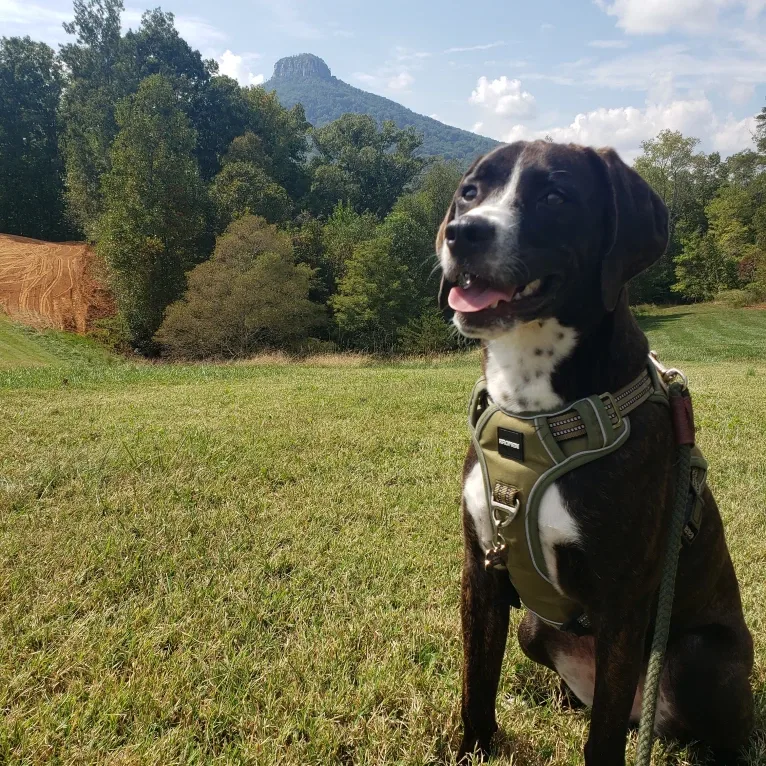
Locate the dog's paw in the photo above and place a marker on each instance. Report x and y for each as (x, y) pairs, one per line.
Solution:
(475, 748)
(472, 751)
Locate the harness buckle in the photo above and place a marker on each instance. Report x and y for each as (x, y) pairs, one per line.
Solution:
(612, 409)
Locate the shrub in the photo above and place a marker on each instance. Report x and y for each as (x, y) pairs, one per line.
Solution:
(427, 334)
(737, 299)
(250, 296)
(113, 333)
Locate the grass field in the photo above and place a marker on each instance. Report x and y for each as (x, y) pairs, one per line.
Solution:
(259, 563)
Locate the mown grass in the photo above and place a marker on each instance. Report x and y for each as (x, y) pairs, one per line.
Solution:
(22, 347)
(17, 349)
(260, 562)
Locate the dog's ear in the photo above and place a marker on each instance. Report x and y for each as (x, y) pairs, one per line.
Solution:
(638, 232)
(445, 285)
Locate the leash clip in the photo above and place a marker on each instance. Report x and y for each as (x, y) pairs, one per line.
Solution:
(496, 557)
(669, 374)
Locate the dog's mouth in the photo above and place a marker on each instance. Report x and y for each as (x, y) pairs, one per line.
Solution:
(478, 296)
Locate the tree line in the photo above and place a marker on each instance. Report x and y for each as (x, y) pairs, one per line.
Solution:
(228, 224)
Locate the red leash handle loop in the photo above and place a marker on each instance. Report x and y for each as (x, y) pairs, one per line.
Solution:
(683, 414)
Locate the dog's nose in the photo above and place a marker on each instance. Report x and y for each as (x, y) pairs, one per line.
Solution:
(468, 236)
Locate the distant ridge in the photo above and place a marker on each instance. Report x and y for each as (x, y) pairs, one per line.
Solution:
(306, 79)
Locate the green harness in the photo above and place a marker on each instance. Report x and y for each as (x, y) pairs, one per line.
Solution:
(522, 455)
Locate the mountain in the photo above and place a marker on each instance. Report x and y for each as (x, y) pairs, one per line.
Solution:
(306, 79)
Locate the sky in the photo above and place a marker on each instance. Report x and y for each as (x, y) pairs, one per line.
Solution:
(598, 72)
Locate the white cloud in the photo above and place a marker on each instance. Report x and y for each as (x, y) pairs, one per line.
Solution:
(477, 126)
(641, 17)
(26, 14)
(642, 70)
(238, 67)
(504, 97)
(546, 27)
(400, 82)
(484, 47)
(625, 128)
(366, 79)
(734, 135)
(198, 32)
(608, 43)
(46, 23)
(290, 19)
(337, 30)
(741, 92)
(385, 79)
(404, 54)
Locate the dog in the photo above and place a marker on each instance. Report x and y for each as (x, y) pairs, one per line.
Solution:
(535, 252)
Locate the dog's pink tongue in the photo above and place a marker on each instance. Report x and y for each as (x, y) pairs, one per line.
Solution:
(476, 298)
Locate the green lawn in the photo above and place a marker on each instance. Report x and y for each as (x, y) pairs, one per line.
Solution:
(19, 347)
(22, 348)
(260, 562)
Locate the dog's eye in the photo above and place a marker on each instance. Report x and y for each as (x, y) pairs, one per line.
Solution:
(469, 192)
(553, 198)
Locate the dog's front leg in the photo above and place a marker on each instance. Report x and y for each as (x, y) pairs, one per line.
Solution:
(485, 615)
(619, 657)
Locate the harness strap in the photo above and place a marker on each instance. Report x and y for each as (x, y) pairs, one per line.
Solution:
(571, 424)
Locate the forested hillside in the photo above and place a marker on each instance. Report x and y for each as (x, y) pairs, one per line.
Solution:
(307, 80)
(229, 224)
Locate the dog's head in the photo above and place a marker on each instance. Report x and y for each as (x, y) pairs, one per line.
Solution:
(537, 230)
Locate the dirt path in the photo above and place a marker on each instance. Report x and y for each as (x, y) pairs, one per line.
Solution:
(50, 282)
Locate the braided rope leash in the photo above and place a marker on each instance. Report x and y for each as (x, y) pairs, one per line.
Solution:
(681, 410)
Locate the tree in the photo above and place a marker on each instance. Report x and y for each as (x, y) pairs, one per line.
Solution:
(344, 230)
(669, 164)
(153, 226)
(249, 296)
(283, 134)
(415, 219)
(702, 270)
(243, 186)
(375, 297)
(157, 48)
(31, 173)
(106, 67)
(98, 80)
(387, 284)
(309, 249)
(219, 113)
(372, 166)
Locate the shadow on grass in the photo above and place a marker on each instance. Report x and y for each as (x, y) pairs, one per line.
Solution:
(649, 322)
(536, 686)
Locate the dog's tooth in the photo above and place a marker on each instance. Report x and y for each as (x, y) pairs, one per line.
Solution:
(494, 305)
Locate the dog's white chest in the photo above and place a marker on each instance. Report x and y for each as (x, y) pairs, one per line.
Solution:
(521, 362)
(556, 527)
